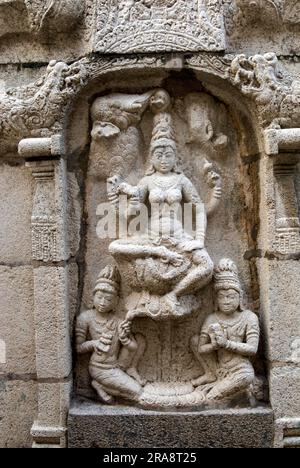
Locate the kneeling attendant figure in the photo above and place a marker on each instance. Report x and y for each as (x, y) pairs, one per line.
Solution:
(228, 339)
(115, 350)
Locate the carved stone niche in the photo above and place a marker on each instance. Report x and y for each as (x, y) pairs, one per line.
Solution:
(153, 329)
(158, 25)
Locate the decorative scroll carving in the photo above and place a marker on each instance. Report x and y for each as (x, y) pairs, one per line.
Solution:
(145, 25)
(37, 110)
(276, 93)
(219, 66)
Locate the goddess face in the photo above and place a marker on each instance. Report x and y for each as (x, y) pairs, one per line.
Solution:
(164, 159)
(228, 301)
(104, 301)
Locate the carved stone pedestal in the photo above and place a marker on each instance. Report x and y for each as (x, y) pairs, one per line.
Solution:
(91, 425)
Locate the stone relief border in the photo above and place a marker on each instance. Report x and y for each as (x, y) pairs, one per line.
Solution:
(151, 25)
(40, 111)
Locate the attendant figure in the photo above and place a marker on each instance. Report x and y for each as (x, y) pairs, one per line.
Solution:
(115, 350)
(228, 339)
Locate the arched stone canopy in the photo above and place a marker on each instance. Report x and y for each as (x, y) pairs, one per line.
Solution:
(139, 74)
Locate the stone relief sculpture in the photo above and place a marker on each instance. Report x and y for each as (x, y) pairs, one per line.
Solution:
(115, 351)
(162, 268)
(275, 91)
(228, 338)
(175, 24)
(35, 110)
(115, 134)
(164, 265)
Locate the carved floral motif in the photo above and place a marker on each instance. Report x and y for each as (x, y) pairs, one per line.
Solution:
(148, 25)
(37, 109)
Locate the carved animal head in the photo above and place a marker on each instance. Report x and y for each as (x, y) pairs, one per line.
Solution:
(117, 112)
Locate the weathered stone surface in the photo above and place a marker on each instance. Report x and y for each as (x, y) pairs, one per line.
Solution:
(17, 320)
(53, 404)
(284, 391)
(18, 408)
(74, 214)
(52, 289)
(91, 425)
(281, 315)
(15, 212)
(164, 102)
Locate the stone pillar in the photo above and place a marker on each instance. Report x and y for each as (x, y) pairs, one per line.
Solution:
(52, 271)
(280, 279)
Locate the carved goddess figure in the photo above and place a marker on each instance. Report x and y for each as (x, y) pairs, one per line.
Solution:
(168, 260)
(228, 339)
(115, 352)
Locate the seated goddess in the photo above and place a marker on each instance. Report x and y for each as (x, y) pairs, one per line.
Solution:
(166, 260)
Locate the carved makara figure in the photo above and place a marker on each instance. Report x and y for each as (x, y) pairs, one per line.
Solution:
(116, 136)
(164, 264)
(115, 351)
(276, 93)
(228, 339)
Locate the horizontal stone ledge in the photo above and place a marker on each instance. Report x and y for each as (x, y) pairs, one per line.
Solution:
(93, 425)
(41, 147)
(282, 141)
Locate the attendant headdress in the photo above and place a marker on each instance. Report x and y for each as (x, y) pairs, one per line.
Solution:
(108, 280)
(226, 277)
